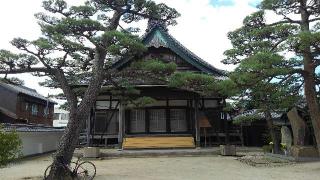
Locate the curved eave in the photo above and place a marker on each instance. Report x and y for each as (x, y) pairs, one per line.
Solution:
(174, 45)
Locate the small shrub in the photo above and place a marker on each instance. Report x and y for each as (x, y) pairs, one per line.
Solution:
(10, 146)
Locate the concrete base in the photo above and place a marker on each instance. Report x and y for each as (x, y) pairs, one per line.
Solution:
(210, 151)
(91, 152)
(228, 150)
(304, 151)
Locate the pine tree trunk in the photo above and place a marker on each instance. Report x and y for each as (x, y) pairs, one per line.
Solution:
(309, 79)
(67, 145)
(78, 116)
(313, 106)
(273, 132)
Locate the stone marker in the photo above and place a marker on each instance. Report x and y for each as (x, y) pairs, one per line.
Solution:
(299, 127)
(286, 137)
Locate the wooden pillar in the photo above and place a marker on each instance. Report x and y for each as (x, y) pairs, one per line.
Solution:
(188, 116)
(226, 125)
(196, 121)
(121, 125)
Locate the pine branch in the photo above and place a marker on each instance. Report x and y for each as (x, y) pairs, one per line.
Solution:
(27, 70)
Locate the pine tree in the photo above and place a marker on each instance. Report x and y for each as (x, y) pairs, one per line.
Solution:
(78, 45)
(295, 38)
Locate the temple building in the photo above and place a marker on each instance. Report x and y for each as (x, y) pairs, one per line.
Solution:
(178, 119)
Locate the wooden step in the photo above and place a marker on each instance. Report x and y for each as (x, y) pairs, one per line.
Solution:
(158, 142)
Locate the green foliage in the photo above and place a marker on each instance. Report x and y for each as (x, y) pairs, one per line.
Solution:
(10, 146)
(10, 61)
(202, 83)
(253, 84)
(74, 34)
(124, 89)
(123, 43)
(78, 46)
(141, 102)
(228, 108)
(12, 80)
(265, 78)
(155, 66)
(246, 119)
(65, 106)
(276, 56)
(227, 88)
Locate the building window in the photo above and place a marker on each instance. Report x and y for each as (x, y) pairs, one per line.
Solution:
(157, 120)
(65, 116)
(178, 120)
(102, 120)
(56, 116)
(138, 122)
(27, 107)
(34, 109)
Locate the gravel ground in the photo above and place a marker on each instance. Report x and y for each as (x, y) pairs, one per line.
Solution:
(259, 160)
(172, 168)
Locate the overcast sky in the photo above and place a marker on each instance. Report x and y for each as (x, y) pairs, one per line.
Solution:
(202, 27)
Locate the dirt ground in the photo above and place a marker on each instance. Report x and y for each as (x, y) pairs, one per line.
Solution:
(172, 168)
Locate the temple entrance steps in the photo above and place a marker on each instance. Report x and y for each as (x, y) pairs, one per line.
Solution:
(160, 142)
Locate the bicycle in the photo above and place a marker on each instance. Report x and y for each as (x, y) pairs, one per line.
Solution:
(85, 170)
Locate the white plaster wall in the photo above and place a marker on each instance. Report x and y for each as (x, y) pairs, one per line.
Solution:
(39, 142)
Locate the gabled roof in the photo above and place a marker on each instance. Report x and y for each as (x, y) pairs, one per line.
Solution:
(24, 90)
(157, 36)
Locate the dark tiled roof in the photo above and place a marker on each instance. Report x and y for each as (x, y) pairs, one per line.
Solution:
(173, 44)
(25, 90)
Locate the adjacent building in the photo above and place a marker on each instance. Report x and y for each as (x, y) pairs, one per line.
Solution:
(23, 105)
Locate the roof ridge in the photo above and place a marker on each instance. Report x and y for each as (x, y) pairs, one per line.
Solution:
(25, 90)
(199, 59)
(202, 63)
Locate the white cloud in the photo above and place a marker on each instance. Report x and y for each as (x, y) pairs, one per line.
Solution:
(202, 27)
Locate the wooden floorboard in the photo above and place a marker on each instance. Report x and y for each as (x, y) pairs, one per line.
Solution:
(158, 142)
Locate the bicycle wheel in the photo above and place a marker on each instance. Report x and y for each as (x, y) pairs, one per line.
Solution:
(46, 172)
(73, 166)
(86, 170)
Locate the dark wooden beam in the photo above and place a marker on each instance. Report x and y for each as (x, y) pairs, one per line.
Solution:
(128, 120)
(226, 125)
(168, 125)
(147, 121)
(121, 127)
(196, 120)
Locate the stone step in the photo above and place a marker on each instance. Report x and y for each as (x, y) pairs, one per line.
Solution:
(158, 142)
